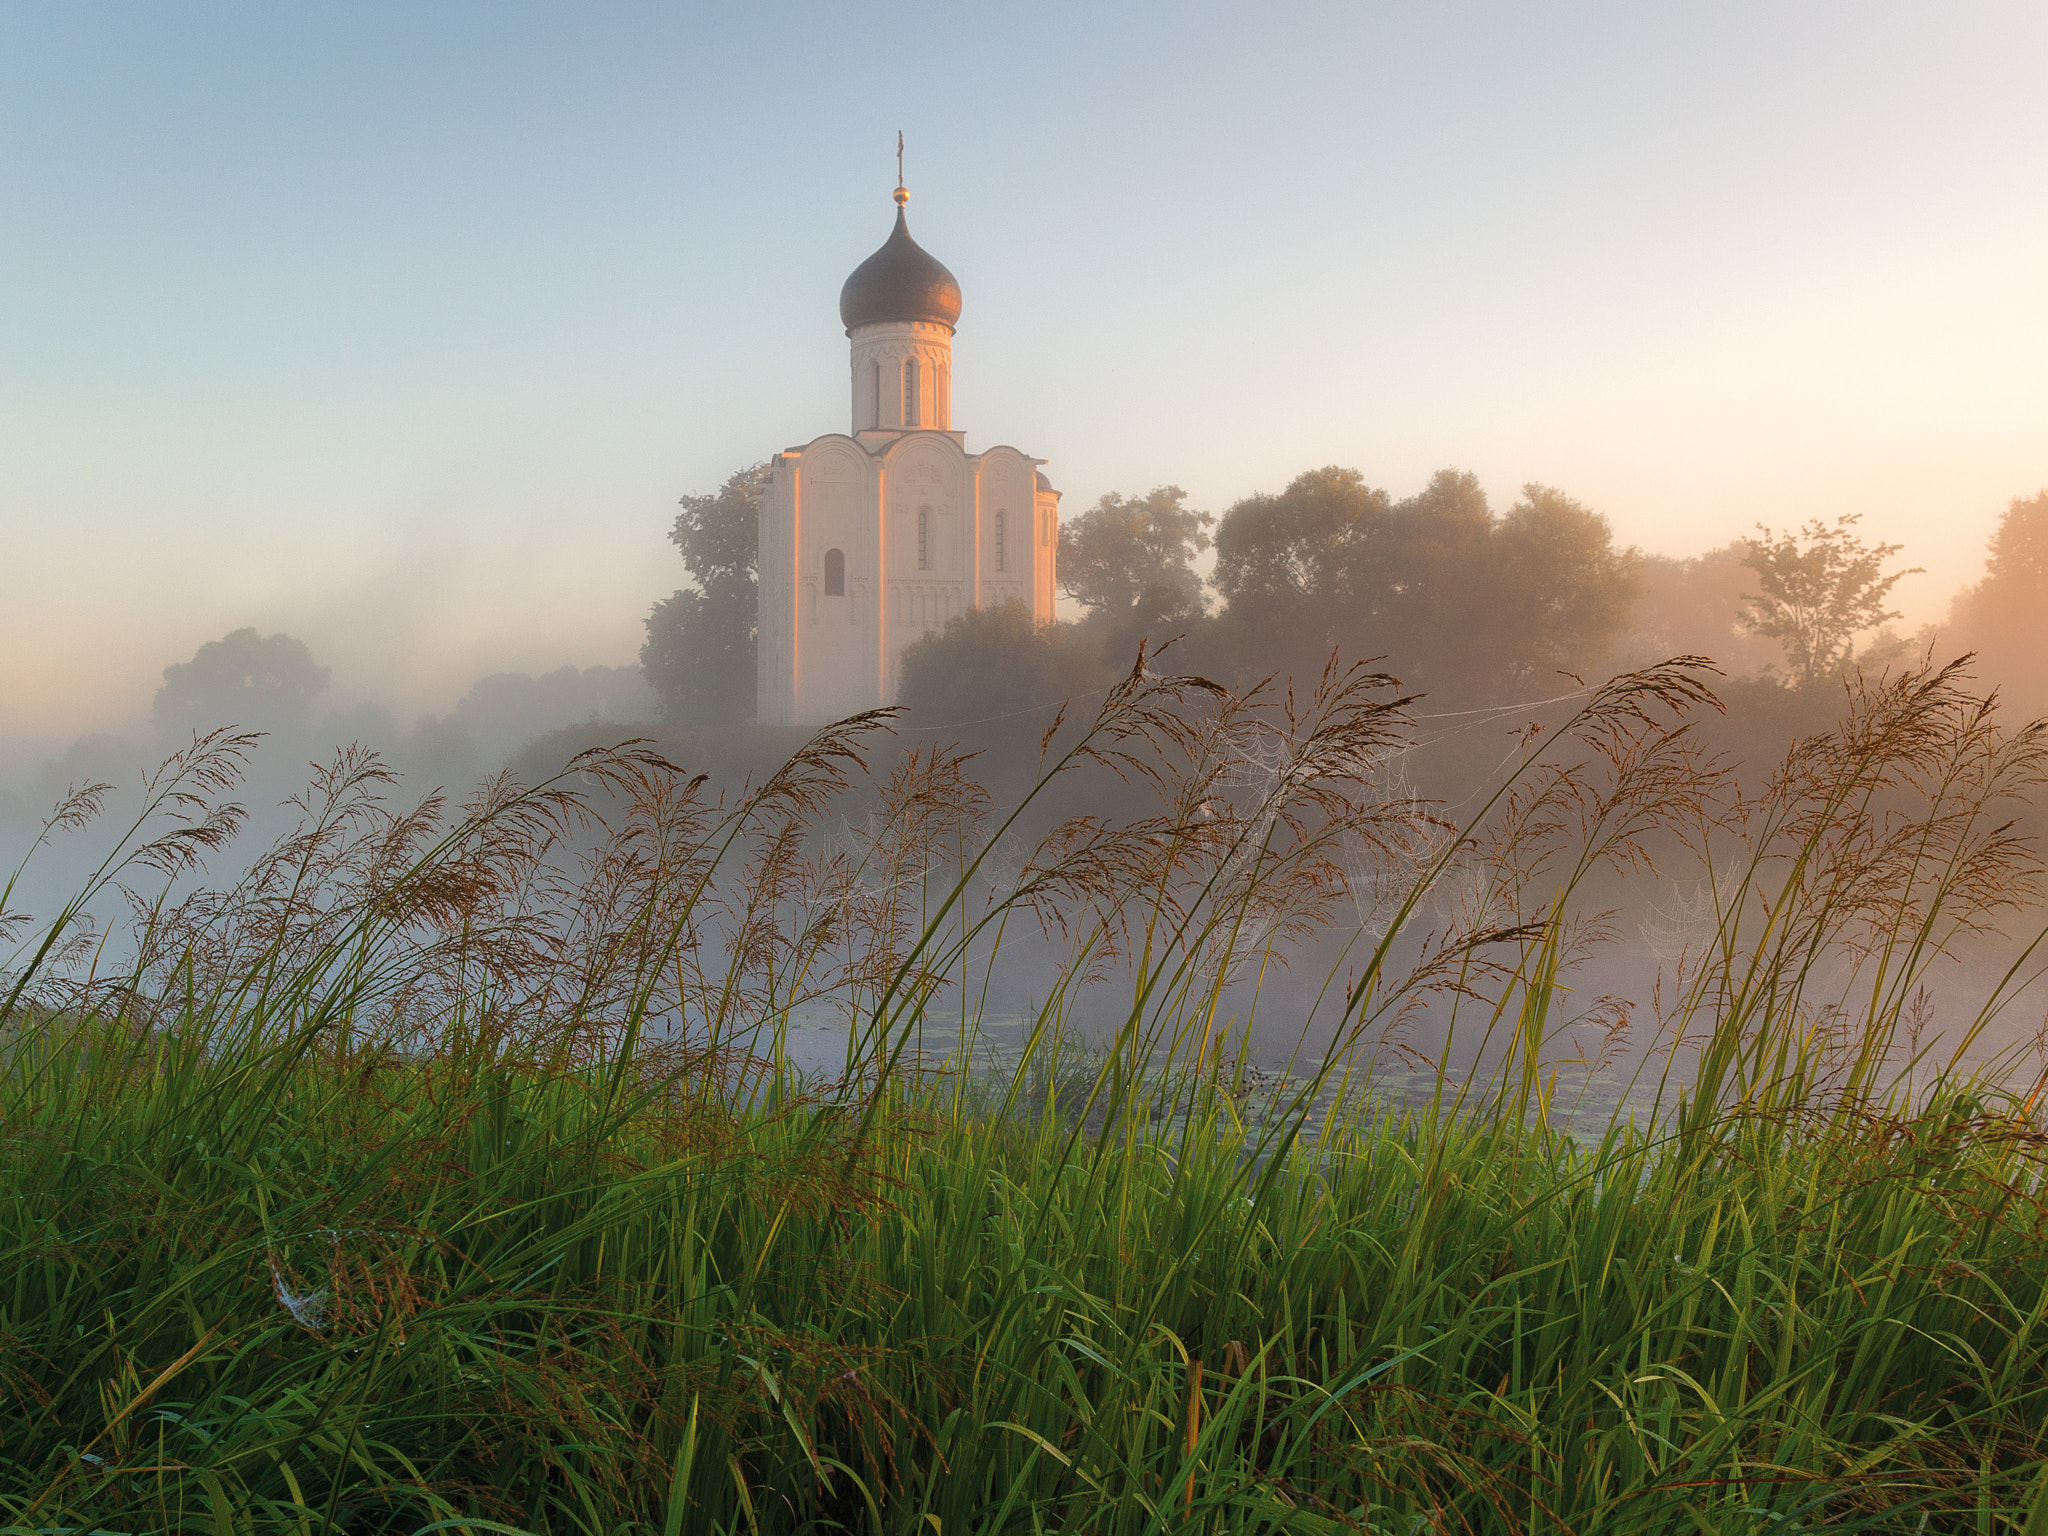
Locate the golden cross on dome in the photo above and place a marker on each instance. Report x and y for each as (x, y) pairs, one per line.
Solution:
(902, 196)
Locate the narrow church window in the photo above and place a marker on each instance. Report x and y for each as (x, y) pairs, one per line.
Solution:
(835, 573)
(924, 538)
(999, 541)
(910, 392)
(876, 396)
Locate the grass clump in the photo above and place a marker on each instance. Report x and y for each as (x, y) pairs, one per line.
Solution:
(444, 1172)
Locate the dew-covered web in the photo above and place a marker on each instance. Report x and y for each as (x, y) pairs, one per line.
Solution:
(1259, 755)
(1381, 870)
(1379, 867)
(307, 1308)
(1677, 928)
(1006, 860)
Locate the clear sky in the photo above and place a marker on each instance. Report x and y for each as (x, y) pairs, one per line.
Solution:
(402, 327)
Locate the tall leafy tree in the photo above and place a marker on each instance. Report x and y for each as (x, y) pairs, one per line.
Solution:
(1457, 599)
(263, 682)
(1565, 590)
(1818, 589)
(1130, 559)
(1299, 546)
(1422, 588)
(699, 653)
(2008, 603)
(2018, 564)
(2002, 615)
(1287, 564)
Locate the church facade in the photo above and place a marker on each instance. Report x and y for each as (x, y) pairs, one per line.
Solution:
(873, 538)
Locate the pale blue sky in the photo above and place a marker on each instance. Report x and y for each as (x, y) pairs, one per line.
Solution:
(402, 327)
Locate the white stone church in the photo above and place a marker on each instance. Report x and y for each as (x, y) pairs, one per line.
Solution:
(874, 538)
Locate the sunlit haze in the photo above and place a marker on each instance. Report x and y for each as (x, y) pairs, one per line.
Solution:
(402, 328)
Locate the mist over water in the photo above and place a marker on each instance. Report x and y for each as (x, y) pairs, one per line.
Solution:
(448, 754)
(1636, 930)
(1494, 633)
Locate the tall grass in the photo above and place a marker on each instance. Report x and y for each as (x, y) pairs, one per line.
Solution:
(443, 1171)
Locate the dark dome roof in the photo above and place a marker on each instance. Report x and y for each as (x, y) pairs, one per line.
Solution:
(901, 281)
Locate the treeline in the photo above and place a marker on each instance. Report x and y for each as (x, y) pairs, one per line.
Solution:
(1460, 600)
(274, 685)
(1474, 607)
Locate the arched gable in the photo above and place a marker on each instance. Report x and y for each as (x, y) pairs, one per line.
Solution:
(940, 450)
(835, 502)
(834, 456)
(928, 500)
(1013, 566)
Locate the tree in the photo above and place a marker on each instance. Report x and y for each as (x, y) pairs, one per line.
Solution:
(2001, 616)
(1821, 588)
(1297, 548)
(263, 682)
(1564, 590)
(2018, 563)
(699, 654)
(994, 664)
(1422, 587)
(1458, 600)
(1130, 560)
(1286, 567)
(2006, 606)
(504, 711)
(1688, 607)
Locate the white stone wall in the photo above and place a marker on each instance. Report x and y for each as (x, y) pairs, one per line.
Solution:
(1044, 565)
(928, 533)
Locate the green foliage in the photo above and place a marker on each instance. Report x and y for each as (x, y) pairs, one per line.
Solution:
(1130, 560)
(718, 534)
(370, 1198)
(2019, 548)
(995, 662)
(1460, 599)
(1567, 590)
(92, 759)
(1299, 549)
(440, 751)
(1819, 589)
(264, 682)
(2002, 616)
(699, 653)
(1688, 607)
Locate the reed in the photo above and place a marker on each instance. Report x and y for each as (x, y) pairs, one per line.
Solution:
(445, 1171)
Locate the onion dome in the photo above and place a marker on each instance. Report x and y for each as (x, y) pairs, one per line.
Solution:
(901, 281)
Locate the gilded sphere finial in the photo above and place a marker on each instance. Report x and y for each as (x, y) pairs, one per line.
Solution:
(902, 197)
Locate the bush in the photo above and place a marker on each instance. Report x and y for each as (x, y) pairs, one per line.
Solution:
(993, 664)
